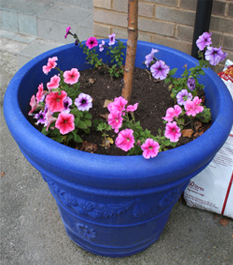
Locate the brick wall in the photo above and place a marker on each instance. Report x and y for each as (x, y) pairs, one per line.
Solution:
(166, 22)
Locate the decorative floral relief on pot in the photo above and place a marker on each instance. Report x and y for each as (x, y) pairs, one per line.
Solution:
(98, 210)
(85, 232)
(169, 198)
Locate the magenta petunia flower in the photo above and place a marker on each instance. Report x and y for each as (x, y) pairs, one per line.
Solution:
(172, 132)
(149, 57)
(204, 40)
(83, 102)
(65, 123)
(172, 112)
(67, 102)
(132, 108)
(118, 104)
(150, 148)
(125, 140)
(112, 39)
(191, 84)
(49, 119)
(101, 46)
(115, 120)
(67, 31)
(91, 42)
(193, 107)
(54, 100)
(72, 76)
(54, 82)
(214, 55)
(159, 70)
(183, 96)
(50, 65)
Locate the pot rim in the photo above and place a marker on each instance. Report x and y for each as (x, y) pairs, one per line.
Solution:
(187, 156)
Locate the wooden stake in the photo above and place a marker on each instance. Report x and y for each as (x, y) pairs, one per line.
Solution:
(131, 48)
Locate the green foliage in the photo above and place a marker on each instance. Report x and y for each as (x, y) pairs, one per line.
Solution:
(204, 116)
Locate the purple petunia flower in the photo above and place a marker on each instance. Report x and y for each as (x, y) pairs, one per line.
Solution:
(183, 96)
(149, 57)
(40, 117)
(67, 102)
(159, 70)
(111, 39)
(101, 46)
(83, 102)
(204, 40)
(214, 55)
(191, 84)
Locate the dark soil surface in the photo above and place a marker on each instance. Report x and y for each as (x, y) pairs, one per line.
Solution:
(153, 98)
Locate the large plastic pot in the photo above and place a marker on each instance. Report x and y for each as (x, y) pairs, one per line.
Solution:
(114, 206)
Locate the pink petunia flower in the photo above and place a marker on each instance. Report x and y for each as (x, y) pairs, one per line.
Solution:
(132, 108)
(50, 65)
(49, 119)
(83, 102)
(150, 148)
(118, 104)
(65, 123)
(115, 120)
(41, 93)
(111, 39)
(54, 100)
(72, 76)
(54, 82)
(91, 42)
(125, 140)
(172, 112)
(172, 132)
(34, 105)
(204, 40)
(149, 57)
(193, 107)
(159, 70)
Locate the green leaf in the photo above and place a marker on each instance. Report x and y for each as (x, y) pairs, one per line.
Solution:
(173, 71)
(88, 123)
(77, 138)
(87, 116)
(82, 125)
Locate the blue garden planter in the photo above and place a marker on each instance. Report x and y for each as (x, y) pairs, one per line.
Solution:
(114, 206)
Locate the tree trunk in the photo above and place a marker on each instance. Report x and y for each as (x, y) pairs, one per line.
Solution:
(131, 48)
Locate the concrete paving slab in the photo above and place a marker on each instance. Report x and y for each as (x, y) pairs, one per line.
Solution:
(36, 7)
(9, 21)
(27, 24)
(16, 37)
(34, 49)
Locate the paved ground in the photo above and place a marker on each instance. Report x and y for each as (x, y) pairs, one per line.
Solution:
(31, 228)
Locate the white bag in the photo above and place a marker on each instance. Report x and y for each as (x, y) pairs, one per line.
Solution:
(212, 189)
